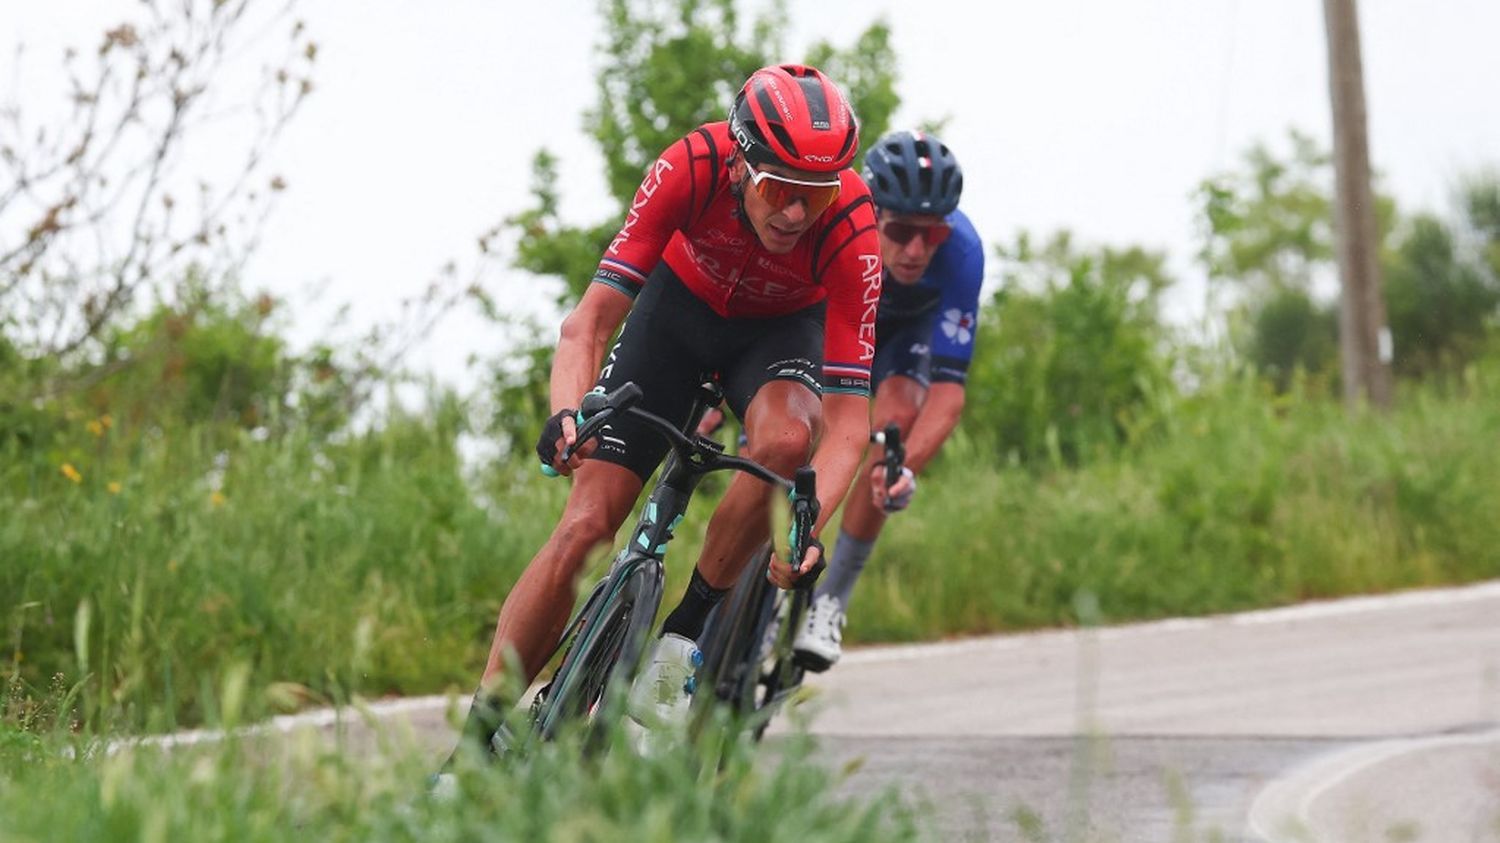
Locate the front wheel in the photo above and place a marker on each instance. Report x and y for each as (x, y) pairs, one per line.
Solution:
(606, 649)
(781, 674)
(743, 648)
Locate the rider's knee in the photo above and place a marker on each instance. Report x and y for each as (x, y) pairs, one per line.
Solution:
(899, 400)
(785, 447)
(903, 417)
(583, 528)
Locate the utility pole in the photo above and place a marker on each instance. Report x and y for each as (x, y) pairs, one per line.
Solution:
(1364, 337)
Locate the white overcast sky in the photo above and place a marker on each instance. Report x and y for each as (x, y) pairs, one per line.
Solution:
(1096, 116)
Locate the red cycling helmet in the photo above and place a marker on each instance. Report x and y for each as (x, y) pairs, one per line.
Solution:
(795, 116)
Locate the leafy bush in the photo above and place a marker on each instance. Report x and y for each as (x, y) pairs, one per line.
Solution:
(1071, 355)
(1291, 333)
(211, 359)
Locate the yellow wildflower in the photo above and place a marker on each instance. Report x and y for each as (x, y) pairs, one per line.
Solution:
(71, 473)
(114, 487)
(216, 498)
(95, 427)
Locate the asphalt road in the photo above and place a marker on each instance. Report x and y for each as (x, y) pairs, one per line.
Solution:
(1368, 719)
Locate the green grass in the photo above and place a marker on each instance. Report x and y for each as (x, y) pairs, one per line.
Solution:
(364, 566)
(308, 789)
(198, 577)
(144, 565)
(158, 562)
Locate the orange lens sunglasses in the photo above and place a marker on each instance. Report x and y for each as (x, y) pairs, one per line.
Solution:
(780, 191)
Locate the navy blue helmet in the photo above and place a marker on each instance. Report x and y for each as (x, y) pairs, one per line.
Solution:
(911, 172)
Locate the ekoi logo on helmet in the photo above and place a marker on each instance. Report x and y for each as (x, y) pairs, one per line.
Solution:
(741, 136)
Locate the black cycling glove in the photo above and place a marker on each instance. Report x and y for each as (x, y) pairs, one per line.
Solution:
(546, 446)
(810, 576)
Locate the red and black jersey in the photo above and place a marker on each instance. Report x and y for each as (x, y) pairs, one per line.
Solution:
(686, 214)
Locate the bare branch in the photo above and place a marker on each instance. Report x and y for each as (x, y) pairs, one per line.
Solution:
(89, 218)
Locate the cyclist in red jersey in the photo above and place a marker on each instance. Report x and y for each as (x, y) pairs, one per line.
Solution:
(749, 250)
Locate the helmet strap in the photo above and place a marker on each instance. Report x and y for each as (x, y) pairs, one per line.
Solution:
(737, 189)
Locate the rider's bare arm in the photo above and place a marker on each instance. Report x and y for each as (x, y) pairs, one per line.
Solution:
(846, 432)
(935, 421)
(585, 336)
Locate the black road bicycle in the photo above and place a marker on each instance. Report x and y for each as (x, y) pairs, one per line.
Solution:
(748, 661)
(606, 640)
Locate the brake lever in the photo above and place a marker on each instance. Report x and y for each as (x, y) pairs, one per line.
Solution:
(805, 509)
(895, 452)
(598, 408)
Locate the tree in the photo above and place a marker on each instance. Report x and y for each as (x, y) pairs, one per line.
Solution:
(1267, 234)
(95, 210)
(1480, 199)
(1289, 331)
(1440, 303)
(1268, 226)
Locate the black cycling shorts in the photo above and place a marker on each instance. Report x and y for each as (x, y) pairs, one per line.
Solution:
(903, 347)
(672, 340)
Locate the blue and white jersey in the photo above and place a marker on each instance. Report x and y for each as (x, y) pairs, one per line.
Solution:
(942, 306)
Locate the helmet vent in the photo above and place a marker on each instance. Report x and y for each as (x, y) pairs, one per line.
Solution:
(850, 139)
(900, 175)
(767, 104)
(784, 138)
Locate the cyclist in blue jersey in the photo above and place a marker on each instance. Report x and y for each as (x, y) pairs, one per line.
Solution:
(925, 327)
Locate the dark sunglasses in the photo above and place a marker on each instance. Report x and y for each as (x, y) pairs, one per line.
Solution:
(902, 233)
(780, 191)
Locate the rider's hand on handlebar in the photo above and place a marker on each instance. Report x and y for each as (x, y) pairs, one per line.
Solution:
(896, 497)
(781, 574)
(559, 433)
